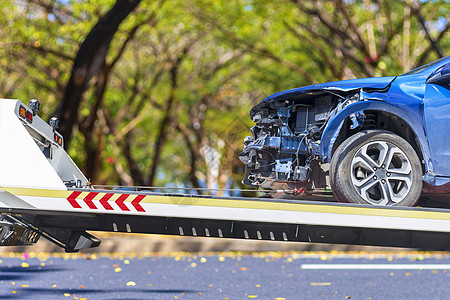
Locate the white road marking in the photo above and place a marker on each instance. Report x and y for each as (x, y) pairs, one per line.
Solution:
(375, 266)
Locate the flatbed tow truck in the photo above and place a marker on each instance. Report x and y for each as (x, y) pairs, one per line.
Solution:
(43, 193)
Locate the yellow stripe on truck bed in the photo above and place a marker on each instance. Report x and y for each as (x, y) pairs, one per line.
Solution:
(246, 204)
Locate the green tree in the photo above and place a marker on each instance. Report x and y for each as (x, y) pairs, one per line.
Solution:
(162, 97)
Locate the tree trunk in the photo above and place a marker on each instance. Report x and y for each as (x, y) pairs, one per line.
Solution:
(88, 61)
(162, 132)
(165, 123)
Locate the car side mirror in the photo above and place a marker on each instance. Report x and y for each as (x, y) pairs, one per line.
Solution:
(442, 76)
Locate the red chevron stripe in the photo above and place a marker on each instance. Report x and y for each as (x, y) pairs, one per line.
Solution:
(104, 201)
(88, 200)
(136, 201)
(72, 199)
(120, 203)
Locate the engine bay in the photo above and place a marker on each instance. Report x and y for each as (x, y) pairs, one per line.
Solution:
(283, 148)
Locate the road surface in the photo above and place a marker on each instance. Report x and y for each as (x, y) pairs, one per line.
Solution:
(227, 276)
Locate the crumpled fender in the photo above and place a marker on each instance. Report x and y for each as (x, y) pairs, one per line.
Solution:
(334, 126)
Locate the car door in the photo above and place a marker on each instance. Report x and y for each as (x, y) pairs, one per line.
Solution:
(437, 119)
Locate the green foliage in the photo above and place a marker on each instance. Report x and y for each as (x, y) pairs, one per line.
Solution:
(227, 56)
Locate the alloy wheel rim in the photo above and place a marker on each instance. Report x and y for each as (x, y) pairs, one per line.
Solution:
(381, 173)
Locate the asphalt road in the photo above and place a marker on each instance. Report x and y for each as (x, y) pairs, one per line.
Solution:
(228, 276)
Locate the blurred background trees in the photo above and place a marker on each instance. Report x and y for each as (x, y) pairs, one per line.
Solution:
(158, 92)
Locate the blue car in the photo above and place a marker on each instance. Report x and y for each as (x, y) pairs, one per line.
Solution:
(381, 141)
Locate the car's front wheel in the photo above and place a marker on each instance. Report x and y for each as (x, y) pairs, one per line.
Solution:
(376, 167)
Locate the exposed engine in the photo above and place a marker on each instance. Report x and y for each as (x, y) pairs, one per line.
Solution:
(283, 148)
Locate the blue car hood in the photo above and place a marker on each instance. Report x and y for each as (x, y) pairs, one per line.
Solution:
(342, 86)
(377, 83)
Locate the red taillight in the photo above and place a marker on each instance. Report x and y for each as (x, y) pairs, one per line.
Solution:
(29, 117)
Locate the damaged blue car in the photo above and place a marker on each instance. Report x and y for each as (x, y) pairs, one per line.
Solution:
(381, 141)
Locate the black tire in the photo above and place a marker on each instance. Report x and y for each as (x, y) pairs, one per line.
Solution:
(358, 173)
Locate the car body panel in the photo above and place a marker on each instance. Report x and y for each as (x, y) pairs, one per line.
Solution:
(437, 121)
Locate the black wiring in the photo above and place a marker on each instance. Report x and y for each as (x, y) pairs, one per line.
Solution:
(335, 94)
(298, 149)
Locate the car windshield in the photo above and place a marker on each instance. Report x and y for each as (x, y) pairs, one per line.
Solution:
(420, 69)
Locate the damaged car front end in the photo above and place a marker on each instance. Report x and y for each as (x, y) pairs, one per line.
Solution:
(285, 146)
(297, 132)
